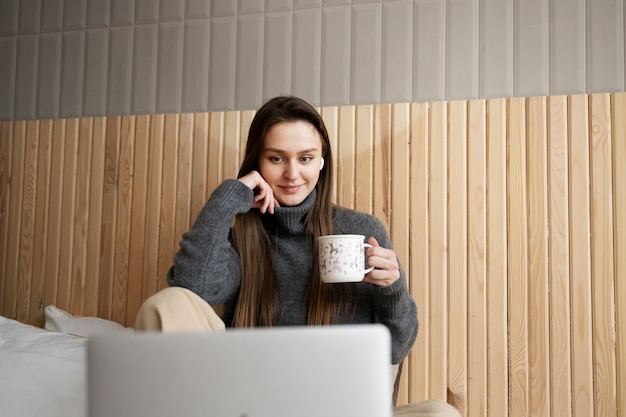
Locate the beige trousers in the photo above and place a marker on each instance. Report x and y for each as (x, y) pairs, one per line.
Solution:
(178, 309)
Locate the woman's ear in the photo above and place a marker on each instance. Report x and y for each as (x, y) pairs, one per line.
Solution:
(322, 163)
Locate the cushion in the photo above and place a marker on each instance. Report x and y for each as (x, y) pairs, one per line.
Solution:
(63, 322)
(43, 373)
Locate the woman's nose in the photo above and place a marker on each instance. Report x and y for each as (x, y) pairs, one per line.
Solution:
(291, 170)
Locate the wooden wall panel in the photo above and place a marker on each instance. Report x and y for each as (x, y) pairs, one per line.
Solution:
(418, 364)
(539, 288)
(81, 217)
(438, 314)
(41, 218)
(138, 217)
(94, 228)
(497, 259)
(602, 269)
(508, 216)
(365, 174)
(6, 152)
(68, 210)
(344, 154)
(559, 255)
(518, 274)
(51, 268)
(109, 217)
(477, 270)
(619, 177)
(382, 165)
(580, 251)
(15, 182)
(457, 253)
(153, 265)
(27, 226)
(400, 196)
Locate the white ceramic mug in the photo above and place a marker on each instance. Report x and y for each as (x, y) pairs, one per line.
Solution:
(342, 258)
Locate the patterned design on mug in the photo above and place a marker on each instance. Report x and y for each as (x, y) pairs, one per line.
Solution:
(342, 256)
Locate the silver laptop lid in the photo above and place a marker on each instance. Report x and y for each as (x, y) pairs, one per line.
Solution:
(280, 372)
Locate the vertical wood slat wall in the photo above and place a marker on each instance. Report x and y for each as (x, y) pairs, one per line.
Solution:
(508, 215)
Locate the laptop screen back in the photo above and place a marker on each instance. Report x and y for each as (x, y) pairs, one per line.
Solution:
(279, 372)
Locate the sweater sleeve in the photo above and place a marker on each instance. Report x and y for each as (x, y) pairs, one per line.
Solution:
(396, 309)
(207, 262)
(393, 305)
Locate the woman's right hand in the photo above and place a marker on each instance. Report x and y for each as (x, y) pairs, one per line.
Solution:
(263, 194)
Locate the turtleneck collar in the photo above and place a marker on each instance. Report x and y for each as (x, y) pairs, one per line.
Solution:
(291, 219)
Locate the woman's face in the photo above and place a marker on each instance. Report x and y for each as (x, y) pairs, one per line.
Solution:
(290, 161)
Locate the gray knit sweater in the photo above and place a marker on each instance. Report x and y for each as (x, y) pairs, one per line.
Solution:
(208, 264)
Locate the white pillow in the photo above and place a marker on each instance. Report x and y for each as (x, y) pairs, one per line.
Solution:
(61, 321)
(42, 373)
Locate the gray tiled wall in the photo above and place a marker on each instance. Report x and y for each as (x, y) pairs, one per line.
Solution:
(72, 58)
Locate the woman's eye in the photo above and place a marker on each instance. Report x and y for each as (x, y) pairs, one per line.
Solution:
(276, 159)
(306, 158)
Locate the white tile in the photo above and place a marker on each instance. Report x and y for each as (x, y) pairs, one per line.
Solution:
(49, 76)
(251, 7)
(98, 13)
(198, 9)
(8, 17)
(74, 14)
(171, 10)
(223, 8)
(120, 70)
(531, 59)
(26, 78)
(306, 4)
(277, 46)
(397, 52)
(366, 54)
(196, 66)
(462, 49)
(306, 62)
(222, 71)
(72, 73)
(143, 94)
(249, 79)
(29, 16)
(331, 3)
(8, 49)
(429, 23)
(51, 16)
(336, 44)
(170, 68)
(567, 47)
(278, 5)
(496, 49)
(95, 85)
(122, 12)
(146, 11)
(605, 46)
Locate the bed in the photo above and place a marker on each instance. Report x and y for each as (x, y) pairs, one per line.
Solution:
(43, 370)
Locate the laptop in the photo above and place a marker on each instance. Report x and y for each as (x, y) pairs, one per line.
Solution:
(328, 371)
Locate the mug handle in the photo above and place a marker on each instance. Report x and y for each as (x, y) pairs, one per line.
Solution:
(371, 268)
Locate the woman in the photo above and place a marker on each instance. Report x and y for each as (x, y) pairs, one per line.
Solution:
(252, 248)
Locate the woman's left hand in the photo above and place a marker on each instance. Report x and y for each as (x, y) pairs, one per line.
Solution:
(385, 262)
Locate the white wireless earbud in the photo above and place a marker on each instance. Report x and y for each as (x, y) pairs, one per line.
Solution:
(322, 164)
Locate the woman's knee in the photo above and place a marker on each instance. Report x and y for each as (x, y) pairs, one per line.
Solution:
(177, 309)
(428, 408)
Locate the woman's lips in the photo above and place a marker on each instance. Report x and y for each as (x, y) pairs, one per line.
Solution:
(290, 189)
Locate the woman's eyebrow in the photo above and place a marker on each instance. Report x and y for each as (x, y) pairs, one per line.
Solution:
(310, 150)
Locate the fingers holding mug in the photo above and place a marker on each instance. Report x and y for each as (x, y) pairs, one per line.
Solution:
(385, 263)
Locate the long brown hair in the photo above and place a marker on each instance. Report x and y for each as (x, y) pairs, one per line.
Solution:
(256, 305)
